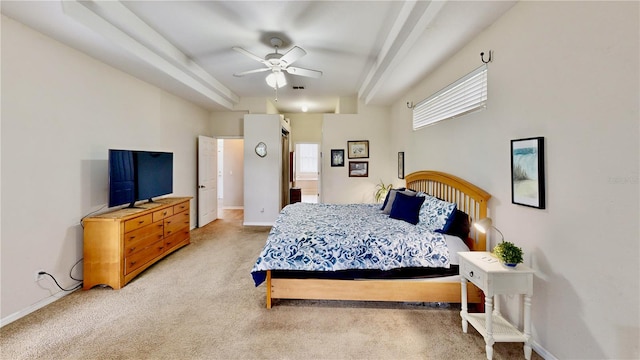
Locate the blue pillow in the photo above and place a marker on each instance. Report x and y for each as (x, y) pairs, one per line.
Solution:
(386, 199)
(392, 197)
(458, 225)
(406, 208)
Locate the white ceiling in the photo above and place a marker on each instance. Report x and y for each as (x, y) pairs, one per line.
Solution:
(375, 50)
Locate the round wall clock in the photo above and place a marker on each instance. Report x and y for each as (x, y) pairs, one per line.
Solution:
(261, 149)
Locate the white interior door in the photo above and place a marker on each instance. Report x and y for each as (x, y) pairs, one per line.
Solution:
(207, 180)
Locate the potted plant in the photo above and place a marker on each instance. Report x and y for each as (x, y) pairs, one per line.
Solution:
(381, 191)
(508, 253)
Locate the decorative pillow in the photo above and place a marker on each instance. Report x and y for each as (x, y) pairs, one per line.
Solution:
(434, 213)
(406, 207)
(392, 197)
(386, 199)
(458, 225)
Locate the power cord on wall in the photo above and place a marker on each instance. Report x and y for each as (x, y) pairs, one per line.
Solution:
(89, 214)
(79, 285)
(76, 287)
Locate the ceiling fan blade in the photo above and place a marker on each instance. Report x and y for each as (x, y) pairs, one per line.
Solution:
(250, 72)
(245, 52)
(292, 55)
(303, 72)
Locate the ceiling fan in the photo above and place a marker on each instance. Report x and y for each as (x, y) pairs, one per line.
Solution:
(278, 63)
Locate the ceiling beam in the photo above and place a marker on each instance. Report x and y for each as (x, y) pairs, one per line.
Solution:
(413, 19)
(115, 22)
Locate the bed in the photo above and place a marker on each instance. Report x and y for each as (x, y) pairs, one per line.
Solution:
(297, 281)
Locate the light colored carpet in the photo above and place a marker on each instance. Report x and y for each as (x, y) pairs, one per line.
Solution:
(200, 303)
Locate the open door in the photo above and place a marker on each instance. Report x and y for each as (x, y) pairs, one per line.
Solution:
(207, 180)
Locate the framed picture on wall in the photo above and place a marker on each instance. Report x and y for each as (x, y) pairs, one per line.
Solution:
(527, 172)
(337, 157)
(358, 168)
(358, 149)
(401, 165)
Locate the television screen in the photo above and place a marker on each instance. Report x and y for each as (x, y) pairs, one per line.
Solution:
(139, 175)
(154, 174)
(121, 178)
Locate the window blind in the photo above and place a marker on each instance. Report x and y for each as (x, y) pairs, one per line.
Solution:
(463, 96)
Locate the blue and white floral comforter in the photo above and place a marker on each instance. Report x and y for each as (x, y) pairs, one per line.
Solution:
(329, 237)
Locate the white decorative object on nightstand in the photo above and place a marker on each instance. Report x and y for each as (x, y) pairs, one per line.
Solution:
(487, 273)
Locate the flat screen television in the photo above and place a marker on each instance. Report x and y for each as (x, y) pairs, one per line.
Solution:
(139, 175)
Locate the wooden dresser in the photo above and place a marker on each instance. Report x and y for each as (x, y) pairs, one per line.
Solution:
(121, 244)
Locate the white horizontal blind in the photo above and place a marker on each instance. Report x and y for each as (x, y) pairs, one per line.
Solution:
(463, 96)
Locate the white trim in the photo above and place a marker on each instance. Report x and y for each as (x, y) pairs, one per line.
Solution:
(257, 224)
(542, 351)
(37, 306)
(232, 207)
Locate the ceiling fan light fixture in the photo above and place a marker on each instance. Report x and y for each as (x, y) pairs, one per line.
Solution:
(276, 80)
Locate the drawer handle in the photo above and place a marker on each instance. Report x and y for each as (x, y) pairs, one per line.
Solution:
(141, 222)
(132, 237)
(133, 263)
(168, 231)
(470, 273)
(132, 249)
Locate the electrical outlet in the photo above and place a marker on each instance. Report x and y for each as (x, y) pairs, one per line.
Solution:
(38, 276)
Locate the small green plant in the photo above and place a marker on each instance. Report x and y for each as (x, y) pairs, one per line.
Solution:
(508, 253)
(381, 191)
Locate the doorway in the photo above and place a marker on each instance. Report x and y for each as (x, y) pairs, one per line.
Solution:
(307, 174)
(230, 174)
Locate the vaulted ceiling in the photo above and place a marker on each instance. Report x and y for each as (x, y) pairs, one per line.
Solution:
(374, 50)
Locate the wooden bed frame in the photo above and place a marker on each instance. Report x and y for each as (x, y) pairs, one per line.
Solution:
(468, 197)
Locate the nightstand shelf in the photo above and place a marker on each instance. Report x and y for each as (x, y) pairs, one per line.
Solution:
(503, 331)
(493, 278)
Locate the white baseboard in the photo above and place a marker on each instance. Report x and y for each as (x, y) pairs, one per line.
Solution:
(542, 351)
(257, 224)
(39, 305)
(231, 207)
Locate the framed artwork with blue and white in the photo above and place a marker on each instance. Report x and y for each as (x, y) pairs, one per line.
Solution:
(527, 172)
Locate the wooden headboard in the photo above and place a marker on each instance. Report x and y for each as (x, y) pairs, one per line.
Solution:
(468, 197)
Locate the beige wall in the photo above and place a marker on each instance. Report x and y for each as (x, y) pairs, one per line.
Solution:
(61, 112)
(227, 123)
(371, 123)
(305, 128)
(567, 71)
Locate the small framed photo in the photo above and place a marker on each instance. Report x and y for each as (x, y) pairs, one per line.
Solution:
(358, 168)
(358, 149)
(401, 165)
(527, 172)
(337, 157)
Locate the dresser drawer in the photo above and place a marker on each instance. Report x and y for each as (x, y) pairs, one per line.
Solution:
(139, 239)
(137, 222)
(139, 234)
(161, 214)
(474, 274)
(181, 207)
(176, 222)
(178, 237)
(143, 256)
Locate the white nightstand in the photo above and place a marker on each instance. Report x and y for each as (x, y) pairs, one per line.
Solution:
(486, 272)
